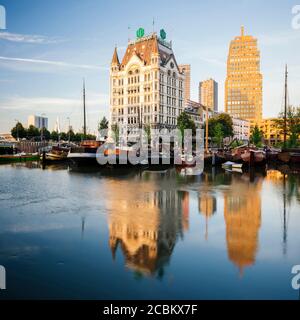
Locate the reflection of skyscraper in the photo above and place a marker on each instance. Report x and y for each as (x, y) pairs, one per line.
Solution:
(207, 206)
(144, 225)
(242, 213)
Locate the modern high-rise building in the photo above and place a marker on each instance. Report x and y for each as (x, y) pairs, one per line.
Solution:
(243, 87)
(208, 94)
(38, 122)
(147, 86)
(186, 70)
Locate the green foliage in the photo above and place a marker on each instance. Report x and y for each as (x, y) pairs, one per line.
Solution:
(226, 122)
(45, 134)
(54, 136)
(184, 121)
(256, 136)
(32, 132)
(218, 134)
(236, 144)
(147, 129)
(116, 131)
(103, 124)
(292, 125)
(19, 131)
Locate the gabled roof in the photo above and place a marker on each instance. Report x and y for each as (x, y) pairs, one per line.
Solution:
(145, 48)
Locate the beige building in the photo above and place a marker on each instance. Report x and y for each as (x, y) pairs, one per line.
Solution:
(186, 70)
(272, 134)
(243, 87)
(146, 86)
(208, 94)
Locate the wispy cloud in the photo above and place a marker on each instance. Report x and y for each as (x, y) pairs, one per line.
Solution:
(279, 38)
(52, 104)
(51, 63)
(53, 107)
(27, 38)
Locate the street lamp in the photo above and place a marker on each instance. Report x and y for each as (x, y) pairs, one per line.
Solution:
(69, 129)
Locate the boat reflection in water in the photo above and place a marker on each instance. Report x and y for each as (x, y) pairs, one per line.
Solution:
(146, 225)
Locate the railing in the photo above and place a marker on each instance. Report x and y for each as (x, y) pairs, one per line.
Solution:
(32, 147)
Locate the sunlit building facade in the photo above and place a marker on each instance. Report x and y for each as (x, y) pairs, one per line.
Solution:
(208, 94)
(271, 132)
(146, 86)
(243, 87)
(186, 70)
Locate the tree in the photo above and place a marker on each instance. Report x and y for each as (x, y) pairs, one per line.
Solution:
(116, 131)
(292, 125)
(54, 136)
(256, 136)
(103, 124)
(19, 131)
(218, 134)
(33, 132)
(184, 121)
(226, 122)
(147, 129)
(45, 134)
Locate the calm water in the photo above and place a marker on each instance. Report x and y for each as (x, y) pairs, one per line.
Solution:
(148, 235)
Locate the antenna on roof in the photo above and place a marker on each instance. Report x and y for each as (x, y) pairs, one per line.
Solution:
(153, 24)
(128, 33)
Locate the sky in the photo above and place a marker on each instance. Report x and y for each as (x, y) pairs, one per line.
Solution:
(48, 47)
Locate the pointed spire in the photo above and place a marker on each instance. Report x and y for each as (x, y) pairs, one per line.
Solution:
(242, 31)
(155, 47)
(115, 59)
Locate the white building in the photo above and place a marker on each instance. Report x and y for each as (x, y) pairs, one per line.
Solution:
(38, 122)
(195, 111)
(241, 129)
(146, 87)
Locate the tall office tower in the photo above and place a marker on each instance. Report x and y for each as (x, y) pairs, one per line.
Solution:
(38, 122)
(186, 70)
(208, 94)
(147, 86)
(243, 87)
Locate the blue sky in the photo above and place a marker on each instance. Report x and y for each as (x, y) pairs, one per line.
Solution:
(49, 46)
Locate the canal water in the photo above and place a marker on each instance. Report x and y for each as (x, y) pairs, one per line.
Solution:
(129, 234)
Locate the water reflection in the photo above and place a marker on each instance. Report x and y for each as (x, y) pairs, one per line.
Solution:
(145, 222)
(242, 214)
(117, 226)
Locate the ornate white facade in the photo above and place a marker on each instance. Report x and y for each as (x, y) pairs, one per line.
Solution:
(147, 87)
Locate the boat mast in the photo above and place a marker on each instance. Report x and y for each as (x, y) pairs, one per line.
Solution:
(206, 138)
(285, 106)
(84, 111)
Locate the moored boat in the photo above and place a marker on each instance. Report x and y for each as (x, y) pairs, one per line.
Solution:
(19, 157)
(85, 153)
(295, 157)
(57, 153)
(254, 157)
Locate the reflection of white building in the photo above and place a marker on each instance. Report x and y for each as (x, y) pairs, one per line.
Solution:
(147, 87)
(38, 122)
